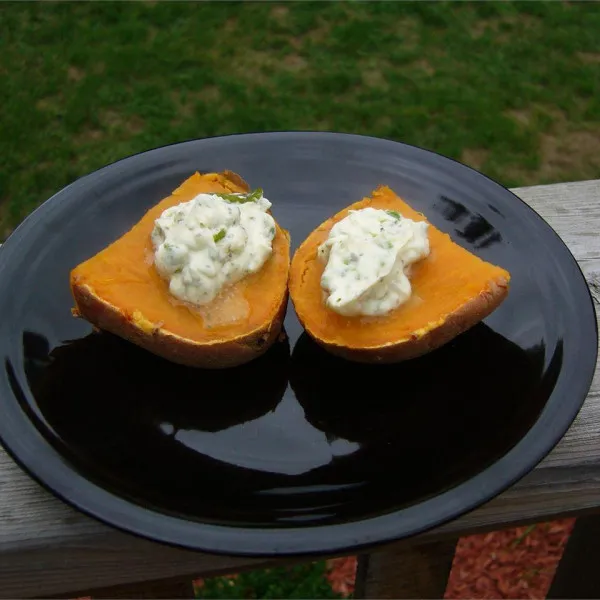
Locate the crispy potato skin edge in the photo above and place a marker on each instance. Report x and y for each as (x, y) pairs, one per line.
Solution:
(217, 354)
(456, 323)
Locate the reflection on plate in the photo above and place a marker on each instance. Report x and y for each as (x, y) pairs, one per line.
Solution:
(129, 383)
(434, 421)
(135, 419)
(330, 442)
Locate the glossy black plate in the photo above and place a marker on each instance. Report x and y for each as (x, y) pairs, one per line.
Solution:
(298, 452)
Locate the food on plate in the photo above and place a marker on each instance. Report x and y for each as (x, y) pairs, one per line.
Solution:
(378, 283)
(200, 280)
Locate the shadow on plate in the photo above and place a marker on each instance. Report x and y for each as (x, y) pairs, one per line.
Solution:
(392, 435)
(429, 423)
(116, 409)
(102, 379)
(117, 413)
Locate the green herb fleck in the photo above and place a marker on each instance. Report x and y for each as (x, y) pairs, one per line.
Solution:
(394, 213)
(168, 247)
(255, 195)
(242, 198)
(219, 236)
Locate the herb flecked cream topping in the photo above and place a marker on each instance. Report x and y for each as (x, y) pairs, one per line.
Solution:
(211, 242)
(368, 256)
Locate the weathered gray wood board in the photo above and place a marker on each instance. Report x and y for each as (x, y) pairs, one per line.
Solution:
(48, 548)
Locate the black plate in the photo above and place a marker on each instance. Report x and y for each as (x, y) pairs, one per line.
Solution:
(298, 452)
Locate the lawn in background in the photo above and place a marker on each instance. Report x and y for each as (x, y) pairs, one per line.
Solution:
(512, 89)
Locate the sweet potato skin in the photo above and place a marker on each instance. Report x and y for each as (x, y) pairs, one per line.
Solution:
(456, 323)
(218, 353)
(418, 343)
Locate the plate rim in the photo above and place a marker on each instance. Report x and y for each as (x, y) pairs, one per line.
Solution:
(232, 535)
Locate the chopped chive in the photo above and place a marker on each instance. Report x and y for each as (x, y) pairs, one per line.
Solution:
(219, 236)
(255, 195)
(242, 198)
(394, 213)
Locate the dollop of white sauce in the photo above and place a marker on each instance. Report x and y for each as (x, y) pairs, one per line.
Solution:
(367, 257)
(210, 242)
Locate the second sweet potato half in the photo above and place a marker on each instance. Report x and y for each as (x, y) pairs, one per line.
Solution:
(445, 290)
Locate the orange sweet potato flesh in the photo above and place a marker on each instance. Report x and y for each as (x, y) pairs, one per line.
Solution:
(452, 290)
(119, 290)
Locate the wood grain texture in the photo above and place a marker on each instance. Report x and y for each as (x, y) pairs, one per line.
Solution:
(47, 548)
(164, 590)
(402, 571)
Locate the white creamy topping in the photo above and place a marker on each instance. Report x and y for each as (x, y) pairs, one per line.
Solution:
(368, 255)
(211, 242)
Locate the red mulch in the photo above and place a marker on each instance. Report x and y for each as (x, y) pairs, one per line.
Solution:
(512, 563)
(341, 574)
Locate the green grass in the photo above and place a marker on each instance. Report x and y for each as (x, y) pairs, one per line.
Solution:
(302, 581)
(510, 88)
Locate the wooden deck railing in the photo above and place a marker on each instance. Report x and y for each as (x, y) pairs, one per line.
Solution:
(48, 549)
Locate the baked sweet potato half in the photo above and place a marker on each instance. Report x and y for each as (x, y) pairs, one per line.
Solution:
(452, 290)
(120, 290)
